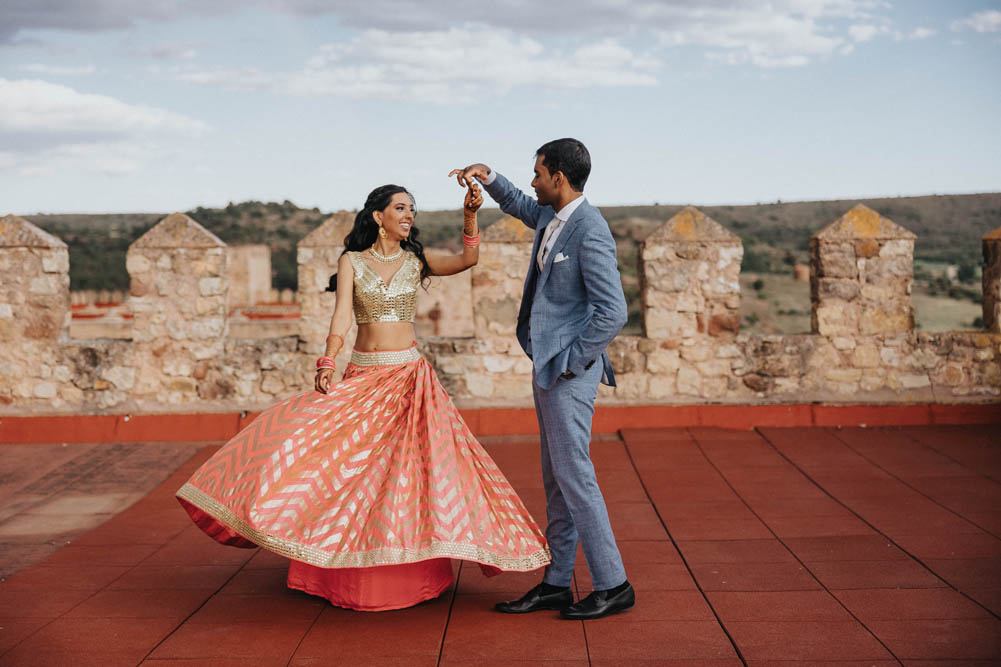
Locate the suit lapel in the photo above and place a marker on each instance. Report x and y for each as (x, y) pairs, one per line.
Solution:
(540, 233)
(532, 278)
(569, 229)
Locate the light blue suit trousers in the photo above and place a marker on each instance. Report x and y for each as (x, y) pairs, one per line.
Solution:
(575, 508)
(571, 309)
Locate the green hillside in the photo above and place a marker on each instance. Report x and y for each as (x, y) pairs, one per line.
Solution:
(775, 236)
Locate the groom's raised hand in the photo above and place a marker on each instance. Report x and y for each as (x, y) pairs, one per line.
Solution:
(465, 176)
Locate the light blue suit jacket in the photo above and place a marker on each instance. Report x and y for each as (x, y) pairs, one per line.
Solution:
(573, 308)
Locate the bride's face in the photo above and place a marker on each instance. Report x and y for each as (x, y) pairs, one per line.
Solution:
(398, 218)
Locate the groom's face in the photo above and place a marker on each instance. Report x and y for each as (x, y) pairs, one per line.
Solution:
(545, 189)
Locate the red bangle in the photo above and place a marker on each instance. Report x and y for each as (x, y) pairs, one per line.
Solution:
(325, 362)
(470, 241)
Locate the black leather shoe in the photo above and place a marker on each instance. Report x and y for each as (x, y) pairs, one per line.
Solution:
(535, 600)
(599, 604)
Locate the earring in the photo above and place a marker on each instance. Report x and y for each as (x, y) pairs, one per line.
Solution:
(382, 231)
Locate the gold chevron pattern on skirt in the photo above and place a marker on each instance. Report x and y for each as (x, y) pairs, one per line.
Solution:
(382, 470)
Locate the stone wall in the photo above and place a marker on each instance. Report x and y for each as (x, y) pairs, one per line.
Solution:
(318, 254)
(689, 278)
(34, 311)
(178, 298)
(863, 267)
(181, 357)
(445, 307)
(34, 293)
(249, 275)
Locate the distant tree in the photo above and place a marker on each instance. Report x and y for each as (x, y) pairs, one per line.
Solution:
(755, 262)
(758, 285)
(284, 269)
(967, 272)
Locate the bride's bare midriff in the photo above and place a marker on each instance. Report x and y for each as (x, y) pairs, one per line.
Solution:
(384, 336)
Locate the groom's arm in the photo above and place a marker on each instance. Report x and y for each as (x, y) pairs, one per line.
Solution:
(600, 271)
(511, 200)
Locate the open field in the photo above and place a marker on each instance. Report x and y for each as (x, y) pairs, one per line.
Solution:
(782, 305)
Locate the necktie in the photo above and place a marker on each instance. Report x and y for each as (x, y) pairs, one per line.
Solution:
(551, 229)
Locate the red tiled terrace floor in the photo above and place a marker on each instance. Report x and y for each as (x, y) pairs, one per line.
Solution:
(779, 546)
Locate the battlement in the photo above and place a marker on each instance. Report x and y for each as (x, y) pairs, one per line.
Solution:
(183, 354)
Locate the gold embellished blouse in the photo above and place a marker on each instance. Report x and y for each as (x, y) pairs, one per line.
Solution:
(375, 301)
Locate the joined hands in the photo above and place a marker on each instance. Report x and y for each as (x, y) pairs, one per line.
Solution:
(468, 178)
(474, 199)
(465, 177)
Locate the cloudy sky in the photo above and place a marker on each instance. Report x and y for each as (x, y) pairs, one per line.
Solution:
(161, 105)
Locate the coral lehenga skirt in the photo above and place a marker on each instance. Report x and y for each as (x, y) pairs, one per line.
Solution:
(369, 489)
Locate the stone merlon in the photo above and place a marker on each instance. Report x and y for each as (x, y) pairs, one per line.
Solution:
(178, 231)
(508, 230)
(331, 232)
(861, 222)
(691, 224)
(17, 232)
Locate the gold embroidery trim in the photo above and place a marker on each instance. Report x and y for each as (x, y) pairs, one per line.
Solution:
(388, 358)
(383, 556)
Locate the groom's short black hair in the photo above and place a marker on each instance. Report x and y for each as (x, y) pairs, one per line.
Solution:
(569, 156)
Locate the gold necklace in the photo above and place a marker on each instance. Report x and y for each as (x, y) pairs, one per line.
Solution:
(388, 259)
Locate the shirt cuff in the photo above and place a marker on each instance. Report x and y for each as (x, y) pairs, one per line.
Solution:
(491, 177)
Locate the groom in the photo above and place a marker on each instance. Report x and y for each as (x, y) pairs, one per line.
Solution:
(571, 309)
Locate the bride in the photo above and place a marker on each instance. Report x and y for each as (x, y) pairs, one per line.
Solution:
(370, 486)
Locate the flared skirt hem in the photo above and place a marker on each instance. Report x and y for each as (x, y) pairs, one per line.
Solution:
(195, 501)
(382, 588)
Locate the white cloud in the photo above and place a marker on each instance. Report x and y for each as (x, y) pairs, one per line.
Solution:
(34, 105)
(604, 16)
(867, 32)
(57, 70)
(111, 158)
(169, 52)
(985, 21)
(17, 16)
(863, 33)
(917, 33)
(766, 34)
(435, 67)
(47, 127)
(538, 18)
(921, 33)
(788, 33)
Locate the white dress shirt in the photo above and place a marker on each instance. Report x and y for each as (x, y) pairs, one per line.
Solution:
(554, 228)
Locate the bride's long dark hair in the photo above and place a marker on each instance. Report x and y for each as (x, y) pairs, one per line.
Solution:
(366, 230)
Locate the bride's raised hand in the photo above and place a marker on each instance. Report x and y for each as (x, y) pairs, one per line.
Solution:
(474, 199)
